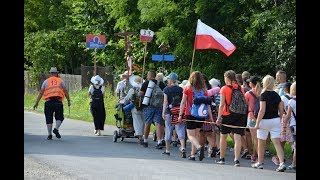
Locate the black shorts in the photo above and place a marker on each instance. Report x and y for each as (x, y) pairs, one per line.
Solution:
(192, 124)
(234, 120)
(53, 106)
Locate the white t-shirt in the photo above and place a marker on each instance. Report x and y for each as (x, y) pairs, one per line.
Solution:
(292, 104)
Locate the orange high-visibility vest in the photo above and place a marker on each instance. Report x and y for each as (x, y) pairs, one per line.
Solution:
(53, 89)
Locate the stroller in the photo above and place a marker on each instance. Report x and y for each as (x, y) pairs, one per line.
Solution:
(124, 123)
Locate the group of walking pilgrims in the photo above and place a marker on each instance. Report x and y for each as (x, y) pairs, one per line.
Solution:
(251, 110)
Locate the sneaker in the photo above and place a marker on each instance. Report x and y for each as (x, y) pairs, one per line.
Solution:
(218, 152)
(248, 156)
(281, 168)
(210, 152)
(56, 132)
(245, 153)
(49, 137)
(183, 153)
(237, 163)
(159, 146)
(292, 167)
(166, 153)
(192, 158)
(145, 144)
(175, 144)
(214, 152)
(206, 147)
(163, 142)
(97, 133)
(140, 141)
(257, 165)
(220, 161)
(201, 153)
(267, 153)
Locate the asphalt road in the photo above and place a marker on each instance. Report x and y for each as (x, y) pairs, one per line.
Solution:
(81, 155)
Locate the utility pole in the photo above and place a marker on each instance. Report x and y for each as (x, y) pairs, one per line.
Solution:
(163, 48)
(126, 35)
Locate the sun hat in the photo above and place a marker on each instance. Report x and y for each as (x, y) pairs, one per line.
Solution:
(97, 80)
(214, 82)
(183, 83)
(135, 81)
(53, 70)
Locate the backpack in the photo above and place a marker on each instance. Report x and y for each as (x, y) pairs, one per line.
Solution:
(174, 106)
(199, 108)
(256, 105)
(238, 102)
(156, 98)
(97, 96)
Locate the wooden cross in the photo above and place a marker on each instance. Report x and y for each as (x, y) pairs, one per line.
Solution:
(126, 35)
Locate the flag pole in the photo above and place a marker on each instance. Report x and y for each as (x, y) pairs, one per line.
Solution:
(144, 59)
(144, 62)
(192, 60)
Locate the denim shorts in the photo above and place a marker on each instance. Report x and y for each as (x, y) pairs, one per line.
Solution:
(153, 114)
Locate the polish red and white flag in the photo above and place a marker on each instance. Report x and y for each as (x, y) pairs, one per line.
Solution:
(208, 38)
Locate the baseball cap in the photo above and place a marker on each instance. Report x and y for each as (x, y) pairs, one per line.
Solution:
(173, 76)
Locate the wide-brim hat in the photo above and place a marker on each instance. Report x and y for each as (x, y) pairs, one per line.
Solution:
(53, 70)
(97, 80)
(135, 81)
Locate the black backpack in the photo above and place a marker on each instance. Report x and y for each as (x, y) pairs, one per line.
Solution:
(256, 105)
(97, 96)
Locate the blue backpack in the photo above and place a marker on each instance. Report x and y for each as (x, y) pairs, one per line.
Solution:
(199, 108)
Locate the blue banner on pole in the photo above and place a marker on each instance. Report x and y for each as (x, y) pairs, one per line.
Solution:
(157, 57)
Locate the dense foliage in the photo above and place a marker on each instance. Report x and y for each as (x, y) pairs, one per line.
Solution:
(263, 31)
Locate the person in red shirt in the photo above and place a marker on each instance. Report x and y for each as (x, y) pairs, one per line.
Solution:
(232, 119)
(193, 124)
